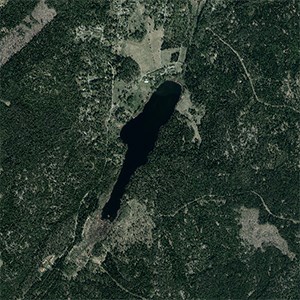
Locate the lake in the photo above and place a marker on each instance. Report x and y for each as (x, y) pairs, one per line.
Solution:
(140, 135)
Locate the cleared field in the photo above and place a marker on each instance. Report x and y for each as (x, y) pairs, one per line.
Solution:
(147, 53)
(22, 34)
(261, 235)
(3, 3)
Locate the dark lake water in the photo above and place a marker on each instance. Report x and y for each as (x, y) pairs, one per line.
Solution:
(140, 134)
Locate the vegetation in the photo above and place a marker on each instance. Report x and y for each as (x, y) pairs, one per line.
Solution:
(128, 69)
(178, 233)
